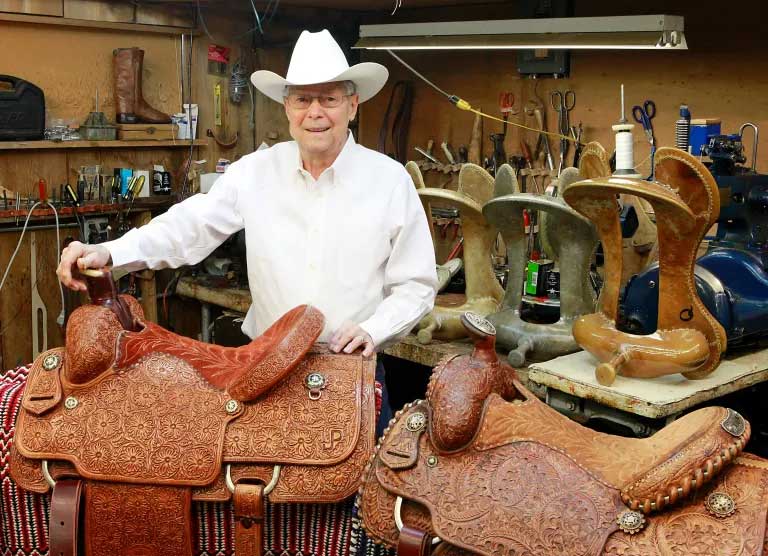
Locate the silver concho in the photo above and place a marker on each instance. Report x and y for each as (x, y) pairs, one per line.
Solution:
(481, 324)
(71, 402)
(232, 406)
(631, 522)
(315, 381)
(432, 461)
(51, 361)
(719, 504)
(734, 423)
(416, 421)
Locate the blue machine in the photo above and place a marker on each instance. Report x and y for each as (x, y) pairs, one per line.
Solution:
(732, 277)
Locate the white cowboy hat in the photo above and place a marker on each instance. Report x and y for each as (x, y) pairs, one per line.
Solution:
(317, 58)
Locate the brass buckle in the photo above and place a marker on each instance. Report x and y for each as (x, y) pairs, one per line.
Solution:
(399, 519)
(267, 489)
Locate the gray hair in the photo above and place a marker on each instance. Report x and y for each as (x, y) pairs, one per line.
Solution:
(349, 88)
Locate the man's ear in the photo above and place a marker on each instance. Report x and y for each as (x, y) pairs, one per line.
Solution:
(355, 102)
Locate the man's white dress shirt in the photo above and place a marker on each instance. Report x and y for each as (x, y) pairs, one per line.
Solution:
(355, 243)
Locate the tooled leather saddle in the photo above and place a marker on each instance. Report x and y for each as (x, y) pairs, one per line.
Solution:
(131, 422)
(689, 340)
(483, 467)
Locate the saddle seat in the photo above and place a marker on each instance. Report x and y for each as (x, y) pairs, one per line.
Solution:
(244, 372)
(514, 457)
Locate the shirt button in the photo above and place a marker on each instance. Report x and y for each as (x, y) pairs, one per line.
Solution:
(312, 267)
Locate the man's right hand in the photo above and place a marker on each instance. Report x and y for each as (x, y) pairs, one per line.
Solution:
(84, 256)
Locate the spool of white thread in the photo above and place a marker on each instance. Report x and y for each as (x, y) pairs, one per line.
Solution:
(625, 154)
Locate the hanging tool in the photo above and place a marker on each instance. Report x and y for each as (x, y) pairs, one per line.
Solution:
(427, 154)
(563, 103)
(535, 110)
(529, 163)
(577, 132)
(475, 151)
(644, 115)
(39, 313)
(448, 152)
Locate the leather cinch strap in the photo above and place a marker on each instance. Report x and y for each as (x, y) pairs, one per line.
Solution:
(65, 517)
(413, 542)
(248, 501)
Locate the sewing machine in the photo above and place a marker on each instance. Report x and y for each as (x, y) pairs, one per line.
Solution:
(732, 277)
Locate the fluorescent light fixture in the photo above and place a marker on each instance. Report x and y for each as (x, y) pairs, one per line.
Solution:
(573, 33)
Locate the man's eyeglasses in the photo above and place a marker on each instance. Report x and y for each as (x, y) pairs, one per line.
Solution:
(302, 101)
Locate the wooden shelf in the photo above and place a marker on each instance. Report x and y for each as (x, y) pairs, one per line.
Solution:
(37, 145)
(87, 24)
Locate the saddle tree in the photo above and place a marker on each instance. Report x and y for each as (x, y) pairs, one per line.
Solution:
(688, 340)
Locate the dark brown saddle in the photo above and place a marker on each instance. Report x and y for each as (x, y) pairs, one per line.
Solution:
(141, 422)
(483, 467)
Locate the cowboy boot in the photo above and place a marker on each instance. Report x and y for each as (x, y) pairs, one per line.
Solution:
(144, 112)
(125, 85)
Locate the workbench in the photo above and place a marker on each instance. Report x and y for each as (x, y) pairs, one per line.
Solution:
(566, 383)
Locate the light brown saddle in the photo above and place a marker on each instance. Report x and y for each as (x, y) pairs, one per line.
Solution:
(483, 291)
(689, 340)
(132, 417)
(484, 467)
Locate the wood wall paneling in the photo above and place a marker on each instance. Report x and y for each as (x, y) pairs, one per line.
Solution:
(716, 78)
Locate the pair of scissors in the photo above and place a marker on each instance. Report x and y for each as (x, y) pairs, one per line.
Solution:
(644, 115)
(563, 103)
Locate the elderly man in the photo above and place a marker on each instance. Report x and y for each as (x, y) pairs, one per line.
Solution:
(327, 221)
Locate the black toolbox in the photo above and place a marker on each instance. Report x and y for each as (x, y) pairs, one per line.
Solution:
(22, 110)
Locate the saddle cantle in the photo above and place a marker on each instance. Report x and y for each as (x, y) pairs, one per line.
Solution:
(688, 340)
(141, 422)
(487, 468)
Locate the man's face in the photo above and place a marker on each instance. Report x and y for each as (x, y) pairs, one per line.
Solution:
(318, 117)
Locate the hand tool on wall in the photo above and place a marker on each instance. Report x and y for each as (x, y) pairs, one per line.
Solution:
(39, 313)
(563, 102)
(543, 142)
(576, 132)
(644, 115)
(476, 141)
(529, 164)
(427, 153)
(448, 151)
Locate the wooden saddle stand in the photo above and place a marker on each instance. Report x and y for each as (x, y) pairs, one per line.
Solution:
(688, 340)
(133, 423)
(483, 467)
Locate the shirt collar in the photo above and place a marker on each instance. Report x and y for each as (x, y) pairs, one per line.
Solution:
(342, 166)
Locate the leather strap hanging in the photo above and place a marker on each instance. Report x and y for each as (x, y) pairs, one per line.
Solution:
(413, 542)
(402, 94)
(65, 517)
(248, 502)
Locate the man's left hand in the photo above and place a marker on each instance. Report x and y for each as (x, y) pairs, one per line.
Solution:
(349, 337)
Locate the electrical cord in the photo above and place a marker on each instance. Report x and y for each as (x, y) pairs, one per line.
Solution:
(462, 104)
(60, 318)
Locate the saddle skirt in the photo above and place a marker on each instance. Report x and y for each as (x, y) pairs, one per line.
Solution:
(147, 409)
(520, 478)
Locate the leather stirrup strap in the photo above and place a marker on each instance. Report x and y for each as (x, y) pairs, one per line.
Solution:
(413, 542)
(248, 501)
(65, 517)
